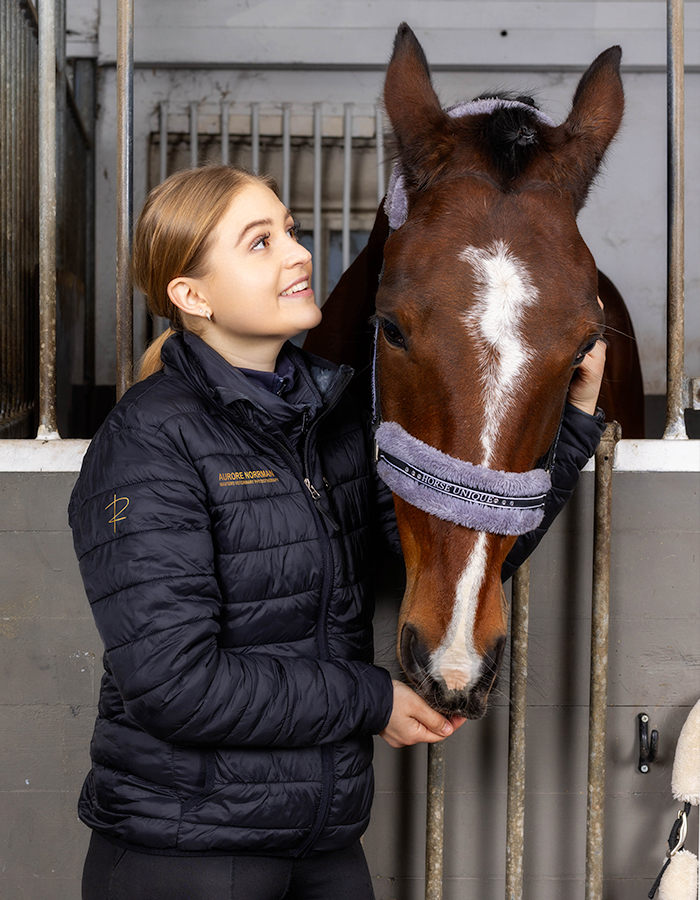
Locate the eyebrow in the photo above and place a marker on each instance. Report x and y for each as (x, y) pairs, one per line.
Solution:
(257, 223)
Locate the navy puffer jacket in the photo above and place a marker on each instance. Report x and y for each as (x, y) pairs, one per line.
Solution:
(228, 573)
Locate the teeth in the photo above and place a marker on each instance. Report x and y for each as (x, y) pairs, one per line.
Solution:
(295, 288)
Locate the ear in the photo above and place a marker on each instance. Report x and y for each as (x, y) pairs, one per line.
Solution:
(593, 122)
(183, 293)
(421, 127)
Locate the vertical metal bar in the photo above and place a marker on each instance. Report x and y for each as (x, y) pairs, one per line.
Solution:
(47, 220)
(435, 821)
(225, 105)
(163, 140)
(379, 132)
(318, 145)
(255, 137)
(194, 134)
(347, 182)
(286, 153)
(125, 177)
(600, 613)
(159, 323)
(675, 402)
(515, 836)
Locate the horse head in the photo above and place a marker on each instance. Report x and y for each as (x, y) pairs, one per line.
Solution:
(487, 304)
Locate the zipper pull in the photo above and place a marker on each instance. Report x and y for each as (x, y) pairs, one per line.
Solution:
(312, 490)
(326, 513)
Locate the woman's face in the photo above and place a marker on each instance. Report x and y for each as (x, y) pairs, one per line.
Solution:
(258, 281)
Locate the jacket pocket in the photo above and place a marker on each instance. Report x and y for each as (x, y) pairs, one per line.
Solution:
(210, 774)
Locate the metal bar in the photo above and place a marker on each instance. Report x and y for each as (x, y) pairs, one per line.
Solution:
(159, 323)
(194, 134)
(317, 202)
(675, 400)
(125, 177)
(255, 137)
(379, 132)
(435, 821)
(47, 220)
(347, 182)
(286, 153)
(600, 613)
(515, 817)
(225, 132)
(163, 140)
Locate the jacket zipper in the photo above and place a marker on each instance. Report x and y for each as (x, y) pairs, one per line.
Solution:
(327, 768)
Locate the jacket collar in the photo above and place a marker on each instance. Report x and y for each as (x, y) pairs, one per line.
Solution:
(318, 382)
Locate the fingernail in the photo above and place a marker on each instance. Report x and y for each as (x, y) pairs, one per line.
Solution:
(446, 728)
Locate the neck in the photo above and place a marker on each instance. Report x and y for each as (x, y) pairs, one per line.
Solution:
(260, 356)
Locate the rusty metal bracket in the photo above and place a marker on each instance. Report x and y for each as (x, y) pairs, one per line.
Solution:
(648, 743)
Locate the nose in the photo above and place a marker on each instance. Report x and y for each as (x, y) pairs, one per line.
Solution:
(297, 254)
(415, 658)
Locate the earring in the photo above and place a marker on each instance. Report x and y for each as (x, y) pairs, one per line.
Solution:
(208, 317)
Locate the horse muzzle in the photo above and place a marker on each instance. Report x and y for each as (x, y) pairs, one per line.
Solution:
(470, 701)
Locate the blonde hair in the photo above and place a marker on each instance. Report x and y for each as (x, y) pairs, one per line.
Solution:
(173, 236)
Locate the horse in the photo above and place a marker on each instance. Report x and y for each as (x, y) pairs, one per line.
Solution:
(486, 304)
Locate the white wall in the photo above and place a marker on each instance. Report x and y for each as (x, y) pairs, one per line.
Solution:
(199, 51)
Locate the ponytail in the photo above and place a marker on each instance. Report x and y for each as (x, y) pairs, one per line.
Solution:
(151, 362)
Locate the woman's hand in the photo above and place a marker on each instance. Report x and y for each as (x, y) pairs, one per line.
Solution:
(414, 722)
(585, 385)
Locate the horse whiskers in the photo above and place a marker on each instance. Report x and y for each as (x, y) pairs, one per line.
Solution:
(631, 337)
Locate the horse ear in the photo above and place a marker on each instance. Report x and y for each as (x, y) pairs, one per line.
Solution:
(419, 122)
(593, 122)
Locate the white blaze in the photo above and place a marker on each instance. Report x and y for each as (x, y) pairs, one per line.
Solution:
(504, 289)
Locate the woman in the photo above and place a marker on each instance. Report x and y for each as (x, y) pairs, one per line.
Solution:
(224, 521)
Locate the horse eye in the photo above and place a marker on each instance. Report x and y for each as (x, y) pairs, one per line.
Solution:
(581, 355)
(393, 335)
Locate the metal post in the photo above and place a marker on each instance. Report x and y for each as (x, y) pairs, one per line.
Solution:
(224, 133)
(317, 202)
(379, 132)
(347, 183)
(515, 837)
(675, 399)
(194, 134)
(163, 140)
(125, 177)
(600, 612)
(286, 153)
(435, 821)
(255, 136)
(47, 220)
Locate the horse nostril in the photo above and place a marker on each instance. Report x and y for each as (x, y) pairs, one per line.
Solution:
(415, 658)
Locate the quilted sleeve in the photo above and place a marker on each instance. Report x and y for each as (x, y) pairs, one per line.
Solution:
(142, 536)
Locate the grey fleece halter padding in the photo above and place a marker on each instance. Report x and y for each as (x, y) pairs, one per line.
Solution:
(396, 201)
(457, 491)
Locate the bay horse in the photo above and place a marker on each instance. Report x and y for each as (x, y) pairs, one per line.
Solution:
(487, 303)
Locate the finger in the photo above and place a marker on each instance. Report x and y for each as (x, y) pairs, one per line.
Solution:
(432, 721)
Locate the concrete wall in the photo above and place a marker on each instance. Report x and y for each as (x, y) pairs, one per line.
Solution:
(50, 669)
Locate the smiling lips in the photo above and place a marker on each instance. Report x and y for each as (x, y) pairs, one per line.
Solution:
(295, 288)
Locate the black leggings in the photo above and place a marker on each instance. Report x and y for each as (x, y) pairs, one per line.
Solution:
(111, 873)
